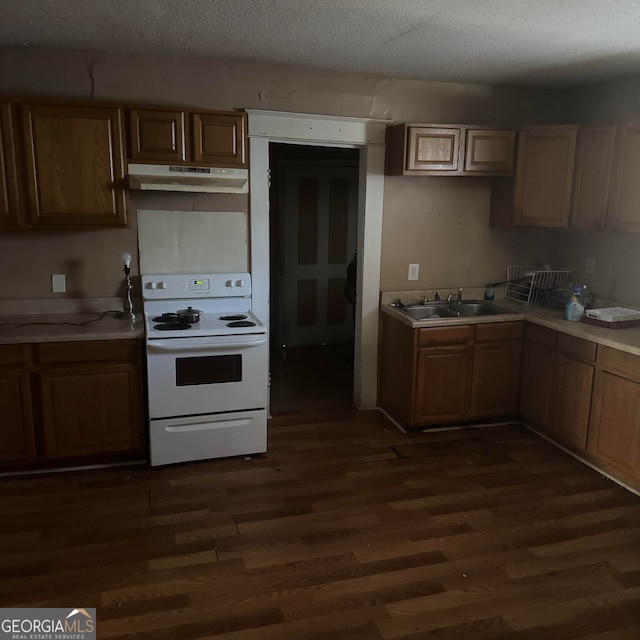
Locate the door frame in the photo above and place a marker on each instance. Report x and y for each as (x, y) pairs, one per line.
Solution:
(328, 131)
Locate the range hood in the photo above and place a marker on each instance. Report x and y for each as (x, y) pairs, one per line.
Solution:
(155, 177)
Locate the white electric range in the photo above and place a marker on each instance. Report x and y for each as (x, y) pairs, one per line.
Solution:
(207, 379)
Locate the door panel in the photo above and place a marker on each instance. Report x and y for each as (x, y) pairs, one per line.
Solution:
(320, 216)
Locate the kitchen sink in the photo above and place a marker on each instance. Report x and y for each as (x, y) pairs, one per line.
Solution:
(443, 310)
(428, 311)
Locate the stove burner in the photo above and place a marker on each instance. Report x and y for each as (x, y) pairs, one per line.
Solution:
(241, 323)
(238, 316)
(167, 317)
(170, 326)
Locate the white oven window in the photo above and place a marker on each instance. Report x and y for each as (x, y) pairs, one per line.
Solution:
(208, 370)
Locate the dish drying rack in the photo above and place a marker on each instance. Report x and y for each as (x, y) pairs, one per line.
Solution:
(530, 283)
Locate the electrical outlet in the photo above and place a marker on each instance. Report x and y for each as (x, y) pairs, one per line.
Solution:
(58, 282)
(591, 265)
(414, 271)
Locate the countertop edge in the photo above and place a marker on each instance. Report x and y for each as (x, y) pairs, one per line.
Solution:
(627, 340)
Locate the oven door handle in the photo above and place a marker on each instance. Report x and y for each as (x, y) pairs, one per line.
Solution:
(172, 346)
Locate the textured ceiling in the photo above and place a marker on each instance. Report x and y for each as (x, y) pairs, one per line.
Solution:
(542, 42)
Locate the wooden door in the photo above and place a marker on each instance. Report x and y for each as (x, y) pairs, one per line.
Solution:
(536, 387)
(91, 409)
(17, 440)
(544, 176)
(614, 435)
(220, 139)
(433, 149)
(9, 194)
(497, 363)
(157, 135)
(75, 165)
(319, 238)
(572, 387)
(489, 151)
(442, 384)
(624, 212)
(571, 402)
(592, 177)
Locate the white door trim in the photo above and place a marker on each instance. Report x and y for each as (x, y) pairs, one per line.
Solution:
(330, 131)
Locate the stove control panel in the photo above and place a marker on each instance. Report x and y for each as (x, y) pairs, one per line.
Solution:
(196, 285)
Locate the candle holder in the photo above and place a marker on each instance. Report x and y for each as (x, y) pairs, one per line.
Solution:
(128, 303)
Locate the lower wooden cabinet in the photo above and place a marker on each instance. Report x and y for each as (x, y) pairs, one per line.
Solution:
(445, 375)
(17, 438)
(572, 385)
(497, 362)
(87, 404)
(538, 360)
(614, 431)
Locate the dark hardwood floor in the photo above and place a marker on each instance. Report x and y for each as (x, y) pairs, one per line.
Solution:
(346, 529)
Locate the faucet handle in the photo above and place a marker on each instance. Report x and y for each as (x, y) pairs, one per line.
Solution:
(425, 299)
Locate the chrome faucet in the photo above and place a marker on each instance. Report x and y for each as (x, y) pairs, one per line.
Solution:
(450, 297)
(436, 296)
(425, 299)
(460, 294)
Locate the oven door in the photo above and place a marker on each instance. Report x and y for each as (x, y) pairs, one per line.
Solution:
(204, 375)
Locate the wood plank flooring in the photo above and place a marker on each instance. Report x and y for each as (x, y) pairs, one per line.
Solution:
(345, 530)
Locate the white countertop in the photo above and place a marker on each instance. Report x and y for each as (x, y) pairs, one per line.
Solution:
(624, 339)
(67, 327)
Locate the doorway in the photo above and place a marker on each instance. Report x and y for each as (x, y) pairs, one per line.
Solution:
(368, 136)
(313, 199)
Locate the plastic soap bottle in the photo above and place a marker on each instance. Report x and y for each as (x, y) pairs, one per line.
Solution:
(574, 310)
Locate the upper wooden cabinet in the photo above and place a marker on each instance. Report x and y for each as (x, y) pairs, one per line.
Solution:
(446, 150)
(489, 151)
(74, 165)
(215, 138)
(157, 135)
(9, 191)
(544, 177)
(624, 213)
(592, 177)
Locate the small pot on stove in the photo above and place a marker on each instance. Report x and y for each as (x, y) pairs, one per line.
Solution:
(189, 315)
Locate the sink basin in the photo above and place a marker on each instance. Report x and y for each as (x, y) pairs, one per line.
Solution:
(442, 310)
(428, 311)
(473, 309)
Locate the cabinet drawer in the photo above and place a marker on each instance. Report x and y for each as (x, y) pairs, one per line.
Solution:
(12, 355)
(541, 335)
(499, 331)
(445, 335)
(578, 348)
(95, 351)
(620, 361)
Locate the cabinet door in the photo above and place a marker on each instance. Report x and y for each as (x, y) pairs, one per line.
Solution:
(442, 384)
(537, 383)
(624, 214)
(571, 402)
(9, 195)
(544, 175)
(17, 441)
(75, 165)
(433, 150)
(219, 139)
(593, 171)
(157, 135)
(496, 378)
(614, 435)
(91, 409)
(489, 152)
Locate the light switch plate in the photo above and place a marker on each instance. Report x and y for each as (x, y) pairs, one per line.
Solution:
(414, 271)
